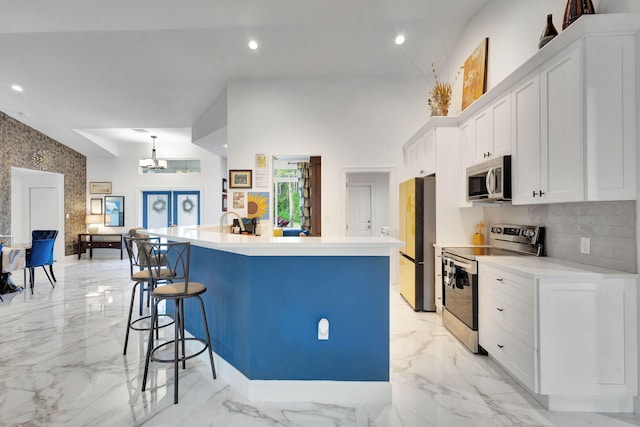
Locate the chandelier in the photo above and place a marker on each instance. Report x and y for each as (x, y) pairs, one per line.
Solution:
(153, 162)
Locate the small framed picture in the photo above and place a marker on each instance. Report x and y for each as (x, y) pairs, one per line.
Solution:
(240, 179)
(224, 185)
(100, 187)
(224, 203)
(96, 206)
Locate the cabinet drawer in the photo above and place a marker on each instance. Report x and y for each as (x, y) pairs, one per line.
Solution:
(512, 314)
(509, 284)
(516, 357)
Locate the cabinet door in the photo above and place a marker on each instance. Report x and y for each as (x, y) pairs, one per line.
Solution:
(611, 118)
(430, 153)
(437, 264)
(501, 127)
(421, 157)
(525, 130)
(410, 161)
(562, 166)
(582, 327)
(482, 145)
(466, 159)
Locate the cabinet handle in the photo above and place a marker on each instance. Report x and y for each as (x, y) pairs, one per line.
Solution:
(500, 346)
(534, 194)
(487, 154)
(499, 279)
(500, 309)
(541, 193)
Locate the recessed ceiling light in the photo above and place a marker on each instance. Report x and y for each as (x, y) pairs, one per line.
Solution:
(17, 88)
(253, 45)
(400, 39)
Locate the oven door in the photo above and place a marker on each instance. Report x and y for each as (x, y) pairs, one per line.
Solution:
(460, 298)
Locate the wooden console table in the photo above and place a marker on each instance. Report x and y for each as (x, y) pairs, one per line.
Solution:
(104, 241)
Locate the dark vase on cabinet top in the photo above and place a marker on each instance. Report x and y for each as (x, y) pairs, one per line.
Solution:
(575, 9)
(549, 32)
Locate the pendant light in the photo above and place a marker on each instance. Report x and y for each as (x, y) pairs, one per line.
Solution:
(153, 162)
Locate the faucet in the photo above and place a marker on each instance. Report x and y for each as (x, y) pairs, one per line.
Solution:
(226, 214)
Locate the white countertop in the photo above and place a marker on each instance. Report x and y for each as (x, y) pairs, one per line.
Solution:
(210, 237)
(543, 267)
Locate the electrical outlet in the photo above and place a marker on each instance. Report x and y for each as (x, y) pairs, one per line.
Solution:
(585, 245)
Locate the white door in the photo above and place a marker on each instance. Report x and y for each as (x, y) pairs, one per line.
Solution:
(358, 210)
(44, 208)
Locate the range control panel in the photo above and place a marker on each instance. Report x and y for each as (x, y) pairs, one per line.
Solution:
(529, 234)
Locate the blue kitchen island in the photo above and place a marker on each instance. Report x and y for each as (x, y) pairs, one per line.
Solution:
(265, 297)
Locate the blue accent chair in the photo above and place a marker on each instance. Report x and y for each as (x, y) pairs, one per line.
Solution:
(46, 234)
(39, 256)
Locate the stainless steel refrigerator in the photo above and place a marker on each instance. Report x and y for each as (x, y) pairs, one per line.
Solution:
(417, 218)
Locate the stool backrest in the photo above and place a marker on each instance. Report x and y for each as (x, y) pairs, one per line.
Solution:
(172, 256)
(137, 260)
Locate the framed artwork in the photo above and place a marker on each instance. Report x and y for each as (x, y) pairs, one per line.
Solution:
(224, 185)
(96, 206)
(100, 187)
(238, 200)
(114, 211)
(475, 75)
(258, 205)
(240, 179)
(224, 203)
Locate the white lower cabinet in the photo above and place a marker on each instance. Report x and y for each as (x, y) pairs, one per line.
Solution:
(568, 337)
(437, 255)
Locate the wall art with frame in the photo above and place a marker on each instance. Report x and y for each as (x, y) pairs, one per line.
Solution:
(100, 187)
(96, 206)
(114, 211)
(240, 178)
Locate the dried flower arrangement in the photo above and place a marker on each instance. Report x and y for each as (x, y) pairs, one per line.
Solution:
(440, 95)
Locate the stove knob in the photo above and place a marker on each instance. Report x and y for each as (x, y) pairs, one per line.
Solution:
(529, 233)
(496, 230)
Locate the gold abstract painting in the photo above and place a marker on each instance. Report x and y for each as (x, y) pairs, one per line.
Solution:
(475, 75)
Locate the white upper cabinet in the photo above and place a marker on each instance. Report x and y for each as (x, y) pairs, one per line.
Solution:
(574, 124)
(547, 137)
(489, 131)
(610, 120)
(527, 153)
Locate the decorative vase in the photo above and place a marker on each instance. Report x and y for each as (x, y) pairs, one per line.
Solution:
(549, 32)
(440, 99)
(575, 9)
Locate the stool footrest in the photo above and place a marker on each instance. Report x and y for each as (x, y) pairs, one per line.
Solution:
(180, 359)
(147, 328)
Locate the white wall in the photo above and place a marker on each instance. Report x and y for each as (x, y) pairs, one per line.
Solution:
(513, 29)
(350, 123)
(126, 181)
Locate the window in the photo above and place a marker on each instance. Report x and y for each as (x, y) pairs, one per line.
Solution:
(286, 194)
(175, 166)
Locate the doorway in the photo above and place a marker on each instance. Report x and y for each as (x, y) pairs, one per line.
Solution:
(368, 207)
(164, 208)
(37, 202)
(359, 209)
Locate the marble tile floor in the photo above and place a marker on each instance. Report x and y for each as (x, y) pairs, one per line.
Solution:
(61, 365)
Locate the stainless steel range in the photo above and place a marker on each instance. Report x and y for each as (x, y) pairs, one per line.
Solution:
(460, 275)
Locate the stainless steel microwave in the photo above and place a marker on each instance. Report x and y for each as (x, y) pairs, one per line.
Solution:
(490, 181)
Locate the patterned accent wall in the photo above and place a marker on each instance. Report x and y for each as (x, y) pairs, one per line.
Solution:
(27, 148)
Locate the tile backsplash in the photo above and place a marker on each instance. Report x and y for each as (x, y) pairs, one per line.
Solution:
(611, 226)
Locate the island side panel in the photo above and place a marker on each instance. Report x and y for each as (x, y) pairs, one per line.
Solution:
(263, 314)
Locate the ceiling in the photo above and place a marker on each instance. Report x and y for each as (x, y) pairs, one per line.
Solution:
(94, 70)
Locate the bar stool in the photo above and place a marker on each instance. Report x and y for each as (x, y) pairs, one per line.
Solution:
(140, 276)
(176, 256)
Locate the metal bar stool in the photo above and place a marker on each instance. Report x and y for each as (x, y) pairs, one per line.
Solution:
(140, 276)
(175, 256)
